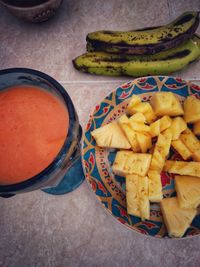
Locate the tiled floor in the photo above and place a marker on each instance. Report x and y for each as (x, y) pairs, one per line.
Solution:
(37, 229)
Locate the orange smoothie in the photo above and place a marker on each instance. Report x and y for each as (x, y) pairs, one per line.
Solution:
(33, 127)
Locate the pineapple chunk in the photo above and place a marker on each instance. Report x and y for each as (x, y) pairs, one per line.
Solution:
(127, 162)
(155, 186)
(177, 108)
(118, 166)
(160, 125)
(135, 99)
(135, 105)
(142, 107)
(161, 151)
(192, 143)
(144, 204)
(150, 114)
(138, 117)
(188, 191)
(155, 128)
(166, 103)
(181, 149)
(144, 141)
(183, 167)
(137, 122)
(176, 219)
(139, 127)
(196, 155)
(129, 132)
(161, 103)
(132, 194)
(164, 148)
(196, 128)
(165, 123)
(137, 196)
(191, 109)
(190, 140)
(157, 161)
(177, 127)
(138, 163)
(110, 135)
(136, 132)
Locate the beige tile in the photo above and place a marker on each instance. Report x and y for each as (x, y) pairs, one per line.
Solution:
(178, 7)
(87, 96)
(41, 230)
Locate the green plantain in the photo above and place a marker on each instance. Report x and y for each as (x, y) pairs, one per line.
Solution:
(145, 41)
(162, 63)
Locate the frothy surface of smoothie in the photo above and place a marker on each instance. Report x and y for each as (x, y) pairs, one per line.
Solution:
(33, 127)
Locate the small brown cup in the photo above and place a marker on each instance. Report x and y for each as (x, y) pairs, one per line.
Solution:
(38, 12)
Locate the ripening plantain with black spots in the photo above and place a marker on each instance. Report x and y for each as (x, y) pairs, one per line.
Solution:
(162, 63)
(145, 41)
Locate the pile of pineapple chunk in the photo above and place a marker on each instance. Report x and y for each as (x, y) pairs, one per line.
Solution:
(144, 136)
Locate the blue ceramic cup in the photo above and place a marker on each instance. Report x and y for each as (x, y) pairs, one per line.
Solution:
(65, 173)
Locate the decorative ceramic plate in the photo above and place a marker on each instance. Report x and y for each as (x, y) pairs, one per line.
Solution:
(97, 162)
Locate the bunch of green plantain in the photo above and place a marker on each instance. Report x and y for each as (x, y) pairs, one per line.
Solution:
(150, 51)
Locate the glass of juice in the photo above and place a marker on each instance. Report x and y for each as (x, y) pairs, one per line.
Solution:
(39, 135)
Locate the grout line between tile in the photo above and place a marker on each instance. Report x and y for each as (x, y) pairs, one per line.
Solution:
(85, 82)
(111, 82)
